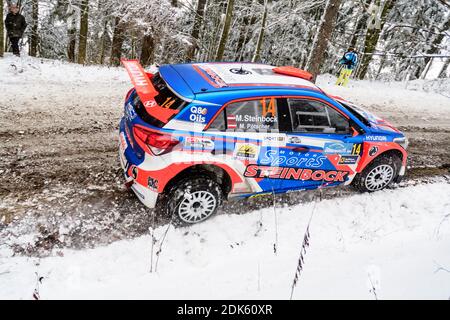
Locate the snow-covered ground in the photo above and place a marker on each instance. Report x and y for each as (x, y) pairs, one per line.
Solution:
(396, 241)
(58, 137)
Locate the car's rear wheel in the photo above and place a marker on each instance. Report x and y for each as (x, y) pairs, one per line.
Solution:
(193, 200)
(379, 174)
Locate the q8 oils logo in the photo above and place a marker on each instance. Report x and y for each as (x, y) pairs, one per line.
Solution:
(198, 114)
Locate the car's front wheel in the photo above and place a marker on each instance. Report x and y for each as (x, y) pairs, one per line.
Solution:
(193, 200)
(379, 174)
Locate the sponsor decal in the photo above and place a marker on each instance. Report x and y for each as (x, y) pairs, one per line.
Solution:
(199, 142)
(274, 141)
(373, 151)
(376, 138)
(240, 71)
(231, 122)
(152, 183)
(130, 113)
(150, 104)
(294, 140)
(214, 76)
(336, 147)
(246, 151)
(286, 173)
(293, 159)
(123, 142)
(198, 114)
(348, 159)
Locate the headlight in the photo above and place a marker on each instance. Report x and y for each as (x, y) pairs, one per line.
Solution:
(403, 142)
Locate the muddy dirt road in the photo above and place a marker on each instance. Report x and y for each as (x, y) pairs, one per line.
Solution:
(60, 178)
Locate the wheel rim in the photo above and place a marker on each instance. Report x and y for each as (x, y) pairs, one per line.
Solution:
(379, 177)
(197, 206)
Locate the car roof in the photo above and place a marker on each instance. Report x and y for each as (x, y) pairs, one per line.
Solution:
(223, 77)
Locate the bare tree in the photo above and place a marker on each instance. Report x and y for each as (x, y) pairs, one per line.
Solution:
(148, 49)
(82, 40)
(198, 19)
(2, 32)
(256, 56)
(117, 42)
(34, 27)
(225, 30)
(372, 36)
(323, 37)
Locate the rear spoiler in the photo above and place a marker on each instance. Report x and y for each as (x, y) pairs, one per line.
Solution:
(146, 91)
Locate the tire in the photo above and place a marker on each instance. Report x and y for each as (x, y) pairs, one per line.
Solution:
(192, 200)
(379, 174)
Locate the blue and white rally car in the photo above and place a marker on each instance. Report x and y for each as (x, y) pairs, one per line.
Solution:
(195, 134)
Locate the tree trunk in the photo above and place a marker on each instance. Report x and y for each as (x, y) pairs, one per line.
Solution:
(323, 37)
(256, 56)
(72, 36)
(34, 27)
(82, 41)
(372, 36)
(2, 32)
(148, 50)
(225, 30)
(117, 42)
(443, 73)
(435, 45)
(361, 25)
(198, 20)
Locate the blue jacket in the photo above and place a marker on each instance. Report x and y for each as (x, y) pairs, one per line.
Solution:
(350, 59)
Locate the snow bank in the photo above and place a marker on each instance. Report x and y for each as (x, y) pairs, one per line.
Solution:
(397, 241)
(420, 96)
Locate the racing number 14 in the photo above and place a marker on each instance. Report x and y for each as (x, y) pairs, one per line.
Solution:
(356, 150)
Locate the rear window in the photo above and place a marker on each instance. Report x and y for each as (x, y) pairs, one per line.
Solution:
(166, 98)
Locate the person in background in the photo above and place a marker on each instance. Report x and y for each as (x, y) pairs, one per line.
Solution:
(348, 62)
(15, 26)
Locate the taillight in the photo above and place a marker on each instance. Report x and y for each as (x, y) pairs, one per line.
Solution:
(157, 143)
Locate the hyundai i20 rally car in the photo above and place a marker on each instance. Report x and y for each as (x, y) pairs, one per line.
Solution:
(195, 134)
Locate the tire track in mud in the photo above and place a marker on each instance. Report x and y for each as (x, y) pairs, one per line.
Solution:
(65, 185)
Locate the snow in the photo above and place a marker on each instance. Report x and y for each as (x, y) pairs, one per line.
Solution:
(384, 239)
(396, 240)
(402, 96)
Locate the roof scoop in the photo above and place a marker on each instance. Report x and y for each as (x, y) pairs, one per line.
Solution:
(293, 72)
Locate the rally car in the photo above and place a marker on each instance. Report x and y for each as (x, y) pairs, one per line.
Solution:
(195, 134)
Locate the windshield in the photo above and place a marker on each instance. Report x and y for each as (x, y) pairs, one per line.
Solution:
(359, 113)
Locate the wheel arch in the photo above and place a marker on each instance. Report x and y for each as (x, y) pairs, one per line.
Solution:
(214, 172)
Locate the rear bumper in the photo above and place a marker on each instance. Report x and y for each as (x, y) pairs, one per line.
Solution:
(147, 196)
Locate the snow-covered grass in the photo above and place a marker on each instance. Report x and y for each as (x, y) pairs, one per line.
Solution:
(397, 241)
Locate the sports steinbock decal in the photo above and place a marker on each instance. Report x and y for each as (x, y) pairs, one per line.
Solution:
(146, 91)
(256, 171)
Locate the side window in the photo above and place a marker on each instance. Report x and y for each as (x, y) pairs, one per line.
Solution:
(250, 115)
(316, 117)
